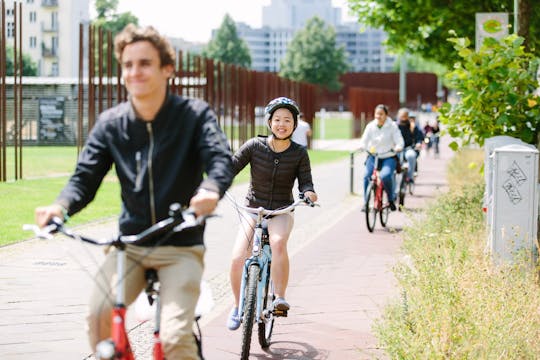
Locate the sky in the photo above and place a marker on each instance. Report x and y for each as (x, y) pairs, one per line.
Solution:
(194, 20)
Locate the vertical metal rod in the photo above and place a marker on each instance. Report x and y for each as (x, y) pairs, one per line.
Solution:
(110, 64)
(3, 102)
(351, 179)
(100, 70)
(20, 127)
(16, 50)
(80, 92)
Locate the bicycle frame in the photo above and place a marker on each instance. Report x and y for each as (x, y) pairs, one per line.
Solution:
(374, 196)
(259, 264)
(118, 346)
(261, 255)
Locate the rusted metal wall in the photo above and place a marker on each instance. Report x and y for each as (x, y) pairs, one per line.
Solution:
(421, 87)
(362, 102)
(236, 94)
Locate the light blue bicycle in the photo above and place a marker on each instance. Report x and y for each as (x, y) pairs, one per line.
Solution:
(256, 289)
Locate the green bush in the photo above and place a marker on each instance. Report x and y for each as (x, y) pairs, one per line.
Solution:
(496, 86)
(455, 303)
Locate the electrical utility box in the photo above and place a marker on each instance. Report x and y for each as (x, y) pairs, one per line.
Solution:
(514, 205)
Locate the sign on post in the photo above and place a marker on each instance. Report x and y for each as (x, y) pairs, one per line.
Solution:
(51, 119)
(493, 25)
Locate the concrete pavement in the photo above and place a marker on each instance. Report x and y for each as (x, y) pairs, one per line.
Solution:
(340, 278)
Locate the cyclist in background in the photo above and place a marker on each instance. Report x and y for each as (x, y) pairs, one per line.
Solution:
(382, 136)
(302, 134)
(413, 138)
(276, 162)
(159, 144)
(432, 132)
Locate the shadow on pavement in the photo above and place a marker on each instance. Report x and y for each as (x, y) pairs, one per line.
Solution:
(293, 351)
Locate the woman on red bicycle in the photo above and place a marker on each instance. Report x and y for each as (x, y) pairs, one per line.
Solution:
(382, 136)
(276, 162)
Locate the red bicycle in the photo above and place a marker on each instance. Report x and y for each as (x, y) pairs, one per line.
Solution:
(118, 346)
(376, 199)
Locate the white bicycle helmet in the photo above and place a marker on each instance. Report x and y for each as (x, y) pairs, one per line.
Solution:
(282, 102)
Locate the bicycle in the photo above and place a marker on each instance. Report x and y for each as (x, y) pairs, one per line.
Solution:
(376, 199)
(406, 184)
(256, 289)
(118, 346)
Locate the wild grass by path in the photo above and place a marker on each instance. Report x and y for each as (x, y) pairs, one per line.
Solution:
(46, 169)
(456, 304)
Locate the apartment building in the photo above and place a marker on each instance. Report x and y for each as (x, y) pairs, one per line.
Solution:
(50, 33)
(282, 18)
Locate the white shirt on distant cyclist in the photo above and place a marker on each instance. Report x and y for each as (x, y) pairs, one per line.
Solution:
(382, 138)
(302, 133)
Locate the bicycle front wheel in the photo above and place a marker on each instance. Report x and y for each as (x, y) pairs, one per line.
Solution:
(249, 309)
(371, 208)
(266, 326)
(385, 209)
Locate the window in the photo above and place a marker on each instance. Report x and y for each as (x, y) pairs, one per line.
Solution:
(54, 69)
(33, 42)
(33, 16)
(10, 29)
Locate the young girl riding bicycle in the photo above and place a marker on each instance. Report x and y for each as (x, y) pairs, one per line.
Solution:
(276, 162)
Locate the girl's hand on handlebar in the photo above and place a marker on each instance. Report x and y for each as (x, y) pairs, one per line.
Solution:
(44, 214)
(311, 196)
(204, 202)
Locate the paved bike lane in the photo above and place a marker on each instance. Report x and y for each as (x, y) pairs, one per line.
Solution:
(340, 282)
(340, 277)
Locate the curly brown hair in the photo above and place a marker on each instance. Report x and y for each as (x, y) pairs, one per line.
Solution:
(131, 34)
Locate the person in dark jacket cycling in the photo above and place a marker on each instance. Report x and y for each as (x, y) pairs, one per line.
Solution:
(276, 162)
(160, 145)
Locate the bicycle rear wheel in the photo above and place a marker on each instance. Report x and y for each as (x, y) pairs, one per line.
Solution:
(249, 309)
(267, 325)
(370, 209)
(385, 209)
(402, 191)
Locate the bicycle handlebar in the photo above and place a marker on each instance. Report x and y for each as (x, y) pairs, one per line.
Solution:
(177, 221)
(302, 200)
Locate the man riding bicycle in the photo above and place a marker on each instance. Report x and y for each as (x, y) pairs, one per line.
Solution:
(413, 138)
(160, 145)
(382, 136)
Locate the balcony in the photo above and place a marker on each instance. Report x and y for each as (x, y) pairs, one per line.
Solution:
(49, 28)
(49, 3)
(48, 52)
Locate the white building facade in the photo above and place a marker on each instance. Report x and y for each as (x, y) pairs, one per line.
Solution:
(50, 33)
(281, 20)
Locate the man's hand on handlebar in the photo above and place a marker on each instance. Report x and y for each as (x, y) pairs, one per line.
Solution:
(44, 214)
(204, 202)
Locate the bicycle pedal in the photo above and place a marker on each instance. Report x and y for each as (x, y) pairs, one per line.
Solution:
(281, 313)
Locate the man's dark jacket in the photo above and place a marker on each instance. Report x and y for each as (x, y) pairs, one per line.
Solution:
(157, 163)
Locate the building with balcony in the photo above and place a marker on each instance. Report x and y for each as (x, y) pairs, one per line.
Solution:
(50, 33)
(282, 18)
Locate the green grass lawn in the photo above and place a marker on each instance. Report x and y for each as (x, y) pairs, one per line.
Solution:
(45, 170)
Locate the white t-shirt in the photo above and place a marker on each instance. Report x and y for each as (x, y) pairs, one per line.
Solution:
(299, 135)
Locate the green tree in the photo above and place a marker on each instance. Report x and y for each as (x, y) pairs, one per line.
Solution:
(29, 66)
(314, 57)
(497, 87)
(422, 26)
(226, 46)
(108, 19)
